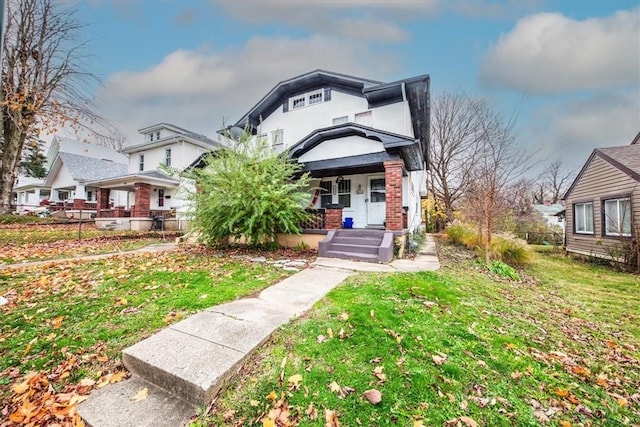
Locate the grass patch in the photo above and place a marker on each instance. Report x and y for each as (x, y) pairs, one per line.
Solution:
(562, 346)
(87, 309)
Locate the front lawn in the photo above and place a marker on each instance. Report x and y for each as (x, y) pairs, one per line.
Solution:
(458, 347)
(36, 242)
(65, 324)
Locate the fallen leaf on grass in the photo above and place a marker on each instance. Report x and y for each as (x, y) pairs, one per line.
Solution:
(564, 424)
(439, 359)
(272, 396)
(311, 412)
(344, 316)
(562, 392)
(468, 421)
(418, 423)
(341, 391)
(373, 396)
(294, 381)
(516, 375)
(141, 395)
(268, 422)
(377, 372)
(254, 403)
(331, 418)
(321, 338)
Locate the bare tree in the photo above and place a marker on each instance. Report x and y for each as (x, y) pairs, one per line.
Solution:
(43, 83)
(556, 180)
(455, 134)
(113, 139)
(499, 163)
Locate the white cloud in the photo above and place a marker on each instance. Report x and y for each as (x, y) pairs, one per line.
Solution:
(550, 53)
(570, 130)
(196, 90)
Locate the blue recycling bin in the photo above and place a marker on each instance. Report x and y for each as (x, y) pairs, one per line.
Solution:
(347, 223)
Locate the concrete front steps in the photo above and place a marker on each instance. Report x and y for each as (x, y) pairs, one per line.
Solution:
(186, 364)
(358, 244)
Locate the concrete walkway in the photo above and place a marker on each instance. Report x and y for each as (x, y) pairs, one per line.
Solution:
(185, 365)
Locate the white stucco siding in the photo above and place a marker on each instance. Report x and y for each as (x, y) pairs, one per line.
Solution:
(342, 147)
(182, 155)
(415, 182)
(63, 179)
(298, 123)
(393, 118)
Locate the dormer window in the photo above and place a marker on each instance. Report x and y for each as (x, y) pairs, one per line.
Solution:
(157, 135)
(315, 98)
(151, 136)
(298, 102)
(307, 99)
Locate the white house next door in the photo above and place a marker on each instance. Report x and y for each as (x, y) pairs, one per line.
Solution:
(376, 206)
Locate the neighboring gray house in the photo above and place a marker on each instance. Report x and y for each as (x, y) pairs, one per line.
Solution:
(72, 164)
(603, 202)
(551, 213)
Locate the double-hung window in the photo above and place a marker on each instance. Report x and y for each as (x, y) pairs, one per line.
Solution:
(344, 192)
(583, 217)
(617, 217)
(326, 198)
(277, 140)
(141, 162)
(167, 157)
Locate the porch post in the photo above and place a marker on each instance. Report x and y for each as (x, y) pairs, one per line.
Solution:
(142, 207)
(334, 216)
(393, 190)
(103, 200)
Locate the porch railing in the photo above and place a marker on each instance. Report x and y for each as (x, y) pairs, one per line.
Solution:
(317, 220)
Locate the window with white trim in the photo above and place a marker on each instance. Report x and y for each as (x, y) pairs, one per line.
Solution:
(583, 217)
(617, 217)
(315, 97)
(167, 157)
(340, 120)
(277, 140)
(141, 162)
(364, 118)
(344, 192)
(307, 99)
(298, 102)
(326, 198)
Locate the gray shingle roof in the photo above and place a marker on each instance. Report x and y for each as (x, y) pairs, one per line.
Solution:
(626, 157)
(83, 168)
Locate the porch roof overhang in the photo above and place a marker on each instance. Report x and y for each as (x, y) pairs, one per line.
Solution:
(395, 146)
(127, 182)
(352, 165)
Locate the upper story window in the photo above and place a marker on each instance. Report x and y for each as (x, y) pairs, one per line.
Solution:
(157, 135)
(583, 217)
(364, 118)
(340, 120)
(315, 98)
(167, 157)
(307, 99)
(141, 162)
(617, 217)
(151, 136)
(277, 140)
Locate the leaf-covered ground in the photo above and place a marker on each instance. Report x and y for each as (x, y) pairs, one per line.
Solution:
(458, 347)
(65, 323)
(23, 243)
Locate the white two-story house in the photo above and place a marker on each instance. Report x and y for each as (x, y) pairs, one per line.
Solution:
(151, 190)
(364, 142)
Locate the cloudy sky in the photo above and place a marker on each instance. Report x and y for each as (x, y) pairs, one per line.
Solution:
(570, 67)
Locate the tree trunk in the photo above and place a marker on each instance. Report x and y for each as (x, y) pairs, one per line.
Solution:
(8, 170)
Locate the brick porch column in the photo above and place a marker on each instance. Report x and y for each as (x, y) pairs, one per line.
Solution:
(142, 208)
(103, 200)
(393, 189)
(78, 204)
(334, 217)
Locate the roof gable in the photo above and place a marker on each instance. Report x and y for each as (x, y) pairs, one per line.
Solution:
(84, 168)
(181, 134)
(625, 158)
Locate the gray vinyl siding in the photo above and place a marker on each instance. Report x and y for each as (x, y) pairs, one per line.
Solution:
(599, 181)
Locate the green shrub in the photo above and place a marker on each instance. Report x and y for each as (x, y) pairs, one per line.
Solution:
(504, 270)
(509, 249)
